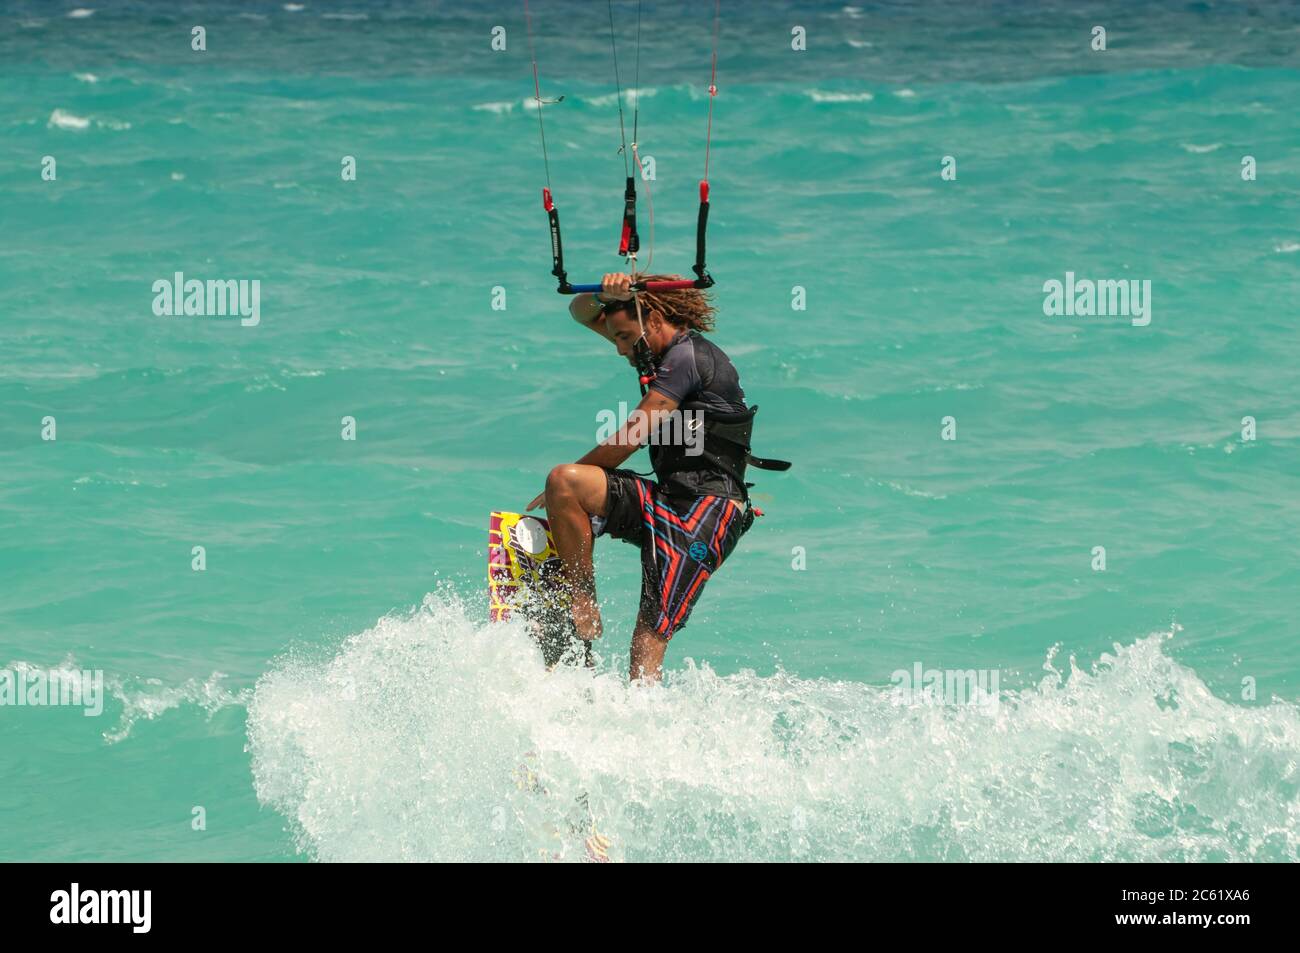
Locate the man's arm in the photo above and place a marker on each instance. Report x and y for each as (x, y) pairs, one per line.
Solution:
(626, 442)
(586, 310)
(632, 434)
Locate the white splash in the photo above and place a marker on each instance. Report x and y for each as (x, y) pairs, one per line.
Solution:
(66, 120)
(499, 108)
(818, 96)
(435, 737)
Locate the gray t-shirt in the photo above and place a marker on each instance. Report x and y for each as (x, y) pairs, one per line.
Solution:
(695, 371)
(678, 376)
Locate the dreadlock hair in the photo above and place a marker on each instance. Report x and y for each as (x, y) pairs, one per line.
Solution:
(684, 308)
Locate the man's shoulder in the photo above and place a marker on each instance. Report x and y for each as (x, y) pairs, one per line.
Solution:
(683, 343)
(680, 355)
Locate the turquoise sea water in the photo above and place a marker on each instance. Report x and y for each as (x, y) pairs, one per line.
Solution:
(327, 688)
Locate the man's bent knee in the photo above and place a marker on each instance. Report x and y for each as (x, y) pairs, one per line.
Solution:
(577, 483)
(561, 481)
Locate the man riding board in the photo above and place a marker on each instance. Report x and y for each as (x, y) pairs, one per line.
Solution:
(687, 521)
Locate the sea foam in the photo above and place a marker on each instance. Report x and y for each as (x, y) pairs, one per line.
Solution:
(432, 736)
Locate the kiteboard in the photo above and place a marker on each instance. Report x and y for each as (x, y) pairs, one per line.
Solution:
(524, 578)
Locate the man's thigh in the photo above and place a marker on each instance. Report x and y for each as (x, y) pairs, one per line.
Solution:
(628, 501)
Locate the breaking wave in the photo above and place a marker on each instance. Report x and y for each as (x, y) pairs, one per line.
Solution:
(433, 736)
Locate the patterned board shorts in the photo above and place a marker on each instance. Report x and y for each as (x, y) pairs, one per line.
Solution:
(682, 543)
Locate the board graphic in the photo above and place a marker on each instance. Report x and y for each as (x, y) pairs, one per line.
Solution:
(523, 564)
